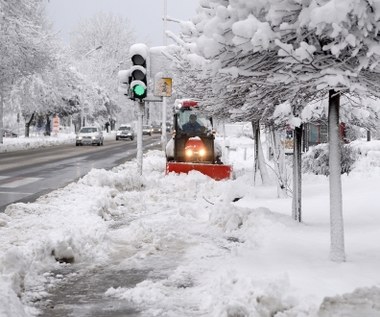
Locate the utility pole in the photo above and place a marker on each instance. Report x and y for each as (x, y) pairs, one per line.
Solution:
(165, 42)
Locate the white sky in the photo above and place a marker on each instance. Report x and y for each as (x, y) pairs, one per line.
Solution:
(148, 24)
(244, 258)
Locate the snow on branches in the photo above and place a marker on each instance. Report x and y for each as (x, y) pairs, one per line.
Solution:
(264, 53)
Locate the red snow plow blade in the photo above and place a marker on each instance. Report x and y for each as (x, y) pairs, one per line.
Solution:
(215, 171)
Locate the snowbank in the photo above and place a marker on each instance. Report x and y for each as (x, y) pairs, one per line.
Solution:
(232, 247)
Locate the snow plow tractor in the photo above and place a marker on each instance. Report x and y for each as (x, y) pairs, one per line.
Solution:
(193, 145)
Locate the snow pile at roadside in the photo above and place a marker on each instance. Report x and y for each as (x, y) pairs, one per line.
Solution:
(23, 143)
(231, 248)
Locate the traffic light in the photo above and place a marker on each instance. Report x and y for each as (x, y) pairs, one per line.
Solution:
(138, 81)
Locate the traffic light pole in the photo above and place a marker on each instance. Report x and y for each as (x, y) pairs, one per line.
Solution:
(165, 42)
(139, 156)
(136, 82)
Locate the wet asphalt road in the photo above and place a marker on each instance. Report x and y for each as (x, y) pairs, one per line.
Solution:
(26, 175)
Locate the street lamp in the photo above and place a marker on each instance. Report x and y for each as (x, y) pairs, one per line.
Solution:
(92, 50)
(85, 109)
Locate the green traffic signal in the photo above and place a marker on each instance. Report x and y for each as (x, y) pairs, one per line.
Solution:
(138, 82)
(139, 90)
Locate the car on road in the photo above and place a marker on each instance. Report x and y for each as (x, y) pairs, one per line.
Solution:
(169, 126)
(89, 136)
(125, 131)
(9, 134)
(156, 128)
(147, 130)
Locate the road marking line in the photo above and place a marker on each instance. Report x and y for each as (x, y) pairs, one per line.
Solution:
(20, 182)
(15, 193)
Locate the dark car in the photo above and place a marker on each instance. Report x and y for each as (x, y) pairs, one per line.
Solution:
(125, 132)
(169, 126)
(156, 128)
(9, 134)
(147, 130)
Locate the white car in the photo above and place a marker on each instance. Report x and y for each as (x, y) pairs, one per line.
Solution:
(125, 132)
(89, 136)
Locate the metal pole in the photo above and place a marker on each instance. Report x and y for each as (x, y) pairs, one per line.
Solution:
(139, 156)
(165, 21)
(297, 175)
(81, 116)
(163, 126)
(1, 116)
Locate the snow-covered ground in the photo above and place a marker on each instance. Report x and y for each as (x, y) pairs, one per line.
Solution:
(242, 258)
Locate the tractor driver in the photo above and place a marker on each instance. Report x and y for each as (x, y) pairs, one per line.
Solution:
(193, 126)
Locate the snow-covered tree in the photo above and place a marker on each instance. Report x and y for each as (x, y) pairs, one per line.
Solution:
(48, 92)
(100, 48)
(25, 47)
(292, 51)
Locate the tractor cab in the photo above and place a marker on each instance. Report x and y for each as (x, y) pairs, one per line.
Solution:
(193, 138)
(193, 144)
(191, 121)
